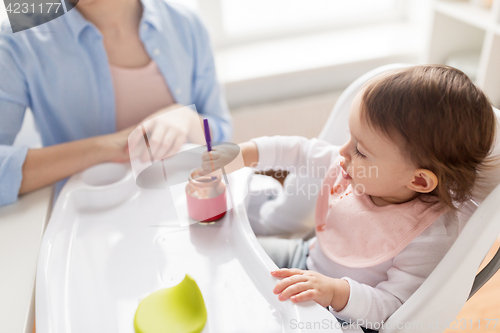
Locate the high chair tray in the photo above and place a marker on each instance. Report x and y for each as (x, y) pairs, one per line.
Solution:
(110, 243)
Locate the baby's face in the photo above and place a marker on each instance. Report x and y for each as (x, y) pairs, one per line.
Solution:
(375, 164)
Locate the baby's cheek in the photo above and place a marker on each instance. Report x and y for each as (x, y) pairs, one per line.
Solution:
(361, 174)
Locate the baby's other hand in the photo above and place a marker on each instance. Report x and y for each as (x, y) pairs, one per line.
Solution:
(303, 285)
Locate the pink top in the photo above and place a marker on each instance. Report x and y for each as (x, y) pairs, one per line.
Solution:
(139, 92)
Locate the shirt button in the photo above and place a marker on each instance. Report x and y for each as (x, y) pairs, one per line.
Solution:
(178, 91)
(156, 51)
(144, 26)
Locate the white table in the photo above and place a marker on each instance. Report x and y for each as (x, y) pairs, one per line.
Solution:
(21, 229)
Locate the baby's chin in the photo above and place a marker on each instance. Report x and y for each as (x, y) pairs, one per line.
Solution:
(359, 188)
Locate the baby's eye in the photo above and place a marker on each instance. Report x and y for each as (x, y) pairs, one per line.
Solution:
(358, 153)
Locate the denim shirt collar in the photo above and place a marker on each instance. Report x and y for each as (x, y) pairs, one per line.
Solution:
(150, 15)
(78, 23)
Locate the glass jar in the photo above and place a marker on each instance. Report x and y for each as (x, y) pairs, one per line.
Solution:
(206, 197)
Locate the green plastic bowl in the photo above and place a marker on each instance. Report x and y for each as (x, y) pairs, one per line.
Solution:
(179, 309)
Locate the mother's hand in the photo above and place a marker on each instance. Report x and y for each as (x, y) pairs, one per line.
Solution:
(167, 130)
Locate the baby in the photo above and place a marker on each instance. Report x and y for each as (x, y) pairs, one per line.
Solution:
(385, 215)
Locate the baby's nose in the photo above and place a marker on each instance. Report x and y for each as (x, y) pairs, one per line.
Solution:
(343, 151)
(345, 155)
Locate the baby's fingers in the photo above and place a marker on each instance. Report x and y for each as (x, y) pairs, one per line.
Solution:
(285, 283)
(209, 156)
(307, 295)
(286, 272)
(292, 290)
(207, 167)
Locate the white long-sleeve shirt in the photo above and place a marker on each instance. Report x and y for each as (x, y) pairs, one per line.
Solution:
(375, 292)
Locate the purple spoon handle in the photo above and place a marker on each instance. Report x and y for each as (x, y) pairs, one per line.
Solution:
(207, 134)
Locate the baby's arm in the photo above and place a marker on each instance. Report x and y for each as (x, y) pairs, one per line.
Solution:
(250, 153)
(308, 157)
(292, 153)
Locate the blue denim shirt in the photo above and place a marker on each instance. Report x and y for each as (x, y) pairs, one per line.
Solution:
(60, 71)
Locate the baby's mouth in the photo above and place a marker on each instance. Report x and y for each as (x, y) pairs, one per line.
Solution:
(345, 175)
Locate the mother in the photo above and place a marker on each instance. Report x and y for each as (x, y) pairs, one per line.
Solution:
(91, 76)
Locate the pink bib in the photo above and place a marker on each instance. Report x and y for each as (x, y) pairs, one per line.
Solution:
(352, 231)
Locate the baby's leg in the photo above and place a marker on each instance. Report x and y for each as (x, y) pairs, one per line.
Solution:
(286, 253)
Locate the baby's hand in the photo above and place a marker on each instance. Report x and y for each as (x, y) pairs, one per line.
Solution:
(300, 286)
(220, 156)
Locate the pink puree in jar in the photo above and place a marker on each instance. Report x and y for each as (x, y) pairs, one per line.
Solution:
(206, 197)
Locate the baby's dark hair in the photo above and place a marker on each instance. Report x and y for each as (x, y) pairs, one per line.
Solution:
(440, 120)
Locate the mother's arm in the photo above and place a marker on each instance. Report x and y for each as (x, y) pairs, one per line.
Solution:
(48, 165)
(24, 170)
(11, 158)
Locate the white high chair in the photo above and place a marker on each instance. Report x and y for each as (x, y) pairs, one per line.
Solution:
(440, 298)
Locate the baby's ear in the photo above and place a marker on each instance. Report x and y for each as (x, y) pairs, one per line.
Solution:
(424, 181)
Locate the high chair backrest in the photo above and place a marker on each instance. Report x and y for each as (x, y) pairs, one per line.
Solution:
(335, 130)
(433, 307)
